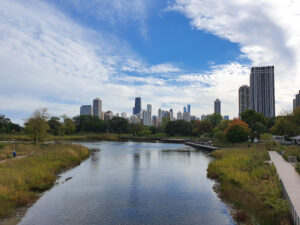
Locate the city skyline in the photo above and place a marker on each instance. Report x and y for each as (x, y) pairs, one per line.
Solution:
(58, 54)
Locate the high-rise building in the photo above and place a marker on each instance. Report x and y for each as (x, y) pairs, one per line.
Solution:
(203, 117)
(296, 101)
(159, 115)
(186, 116)
(189, 108)
(137, 106)
(184, 109)
(179, 115)
(244, 99)
(147, 116)
(97, 107)
(262, 93)
(86, 110)
(217, 106)
(171, 115)
(124, 115)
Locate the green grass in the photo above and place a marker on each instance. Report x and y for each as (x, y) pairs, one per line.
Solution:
(250, 184)
(21, 180)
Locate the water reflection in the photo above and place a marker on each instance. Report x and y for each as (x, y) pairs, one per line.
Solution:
(132, 183)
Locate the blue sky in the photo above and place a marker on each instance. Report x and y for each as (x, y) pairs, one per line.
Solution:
(60, 54)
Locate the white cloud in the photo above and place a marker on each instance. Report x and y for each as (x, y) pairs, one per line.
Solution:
(268, 32)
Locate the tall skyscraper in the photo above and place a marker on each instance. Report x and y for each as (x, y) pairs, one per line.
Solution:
(137, 106)
(97, 107)
(179, 115)
(171, 115)
(147, 116)
(296, 101)
(217, 106)
(262, 93)
(159, 115)
(184, 109)
(189, 108)
(86, 110)
(244, 99)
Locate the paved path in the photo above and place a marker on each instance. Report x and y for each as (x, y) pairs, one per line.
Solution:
(291, 182)
(18, 157)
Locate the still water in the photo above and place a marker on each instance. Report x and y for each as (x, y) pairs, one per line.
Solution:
(130, 183)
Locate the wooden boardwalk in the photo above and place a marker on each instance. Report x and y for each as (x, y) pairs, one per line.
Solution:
(290, 180)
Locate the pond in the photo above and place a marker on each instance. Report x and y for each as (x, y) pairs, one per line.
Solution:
(133, 183)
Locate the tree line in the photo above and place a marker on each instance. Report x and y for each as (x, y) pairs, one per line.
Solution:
(251, 126)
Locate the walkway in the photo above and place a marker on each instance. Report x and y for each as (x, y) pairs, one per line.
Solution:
(291, 183)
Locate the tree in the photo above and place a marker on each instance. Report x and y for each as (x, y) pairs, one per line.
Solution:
(179, 127)
(201, 127)
(6, 126)
(214, 119)
(284, 125)
(37, 125)
(256, 122)
(55, 125)
(119, 125)
(268, 141)
(237, 131)
(218, 131)
(69, 125)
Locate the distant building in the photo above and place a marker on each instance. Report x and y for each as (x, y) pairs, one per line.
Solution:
(147, 116)
(124, 115)
(186, 116)
(171, 115)
(134, 119)
(97, 107)
(217, 108)
(226, 117)
(296, 101)
(160, 115)
(179, 115)
(189, 108)
(137, 106)
(262, 93)
(244, 99)
(193, 118)
(203, 117)
(184, 109)
(108, 115)
(86, 110)
(155, 121)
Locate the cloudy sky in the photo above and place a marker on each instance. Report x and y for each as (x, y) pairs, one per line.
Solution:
(61, 54)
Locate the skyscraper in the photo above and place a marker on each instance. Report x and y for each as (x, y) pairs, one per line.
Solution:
(217, 106)
(189, 108)
(262, 93)
(296, 101)
(171, 115)
(86, 110)
(179, 115)
(97, 107)
(137, 106)
(184, 109)
(159, 115)
(244, 99)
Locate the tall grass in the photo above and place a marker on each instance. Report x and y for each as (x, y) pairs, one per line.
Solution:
(21, 180)
(250, 184)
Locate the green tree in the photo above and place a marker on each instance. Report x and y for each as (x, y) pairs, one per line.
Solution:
(218, 131)
(6, 126)
(56, 127)
(119, 125)
(214, 119)
(136, 128)
(201, 127)
(179, 127)
(237, 131)
(267, 141)
(256, 122)
(37, 125)
(69, 125)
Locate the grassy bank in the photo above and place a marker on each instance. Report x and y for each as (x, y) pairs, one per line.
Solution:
(250, 184)
(23, 179)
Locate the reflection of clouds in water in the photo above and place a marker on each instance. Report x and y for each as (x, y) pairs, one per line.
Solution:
(182, 155)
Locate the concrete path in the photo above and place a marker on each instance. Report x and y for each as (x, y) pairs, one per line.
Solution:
(291, 183)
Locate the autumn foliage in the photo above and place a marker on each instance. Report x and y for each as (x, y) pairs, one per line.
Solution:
(237, 131)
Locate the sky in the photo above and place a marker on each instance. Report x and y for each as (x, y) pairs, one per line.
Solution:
(61, 54)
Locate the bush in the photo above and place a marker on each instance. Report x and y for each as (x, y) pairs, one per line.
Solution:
(237, 131)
